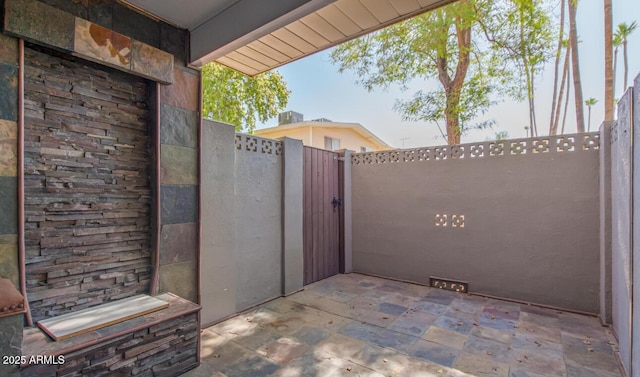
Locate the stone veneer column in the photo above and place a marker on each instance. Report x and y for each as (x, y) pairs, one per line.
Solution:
(179, 136)
(292, 217)
(10, 327)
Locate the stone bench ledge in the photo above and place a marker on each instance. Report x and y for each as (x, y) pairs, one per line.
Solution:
(36, 342)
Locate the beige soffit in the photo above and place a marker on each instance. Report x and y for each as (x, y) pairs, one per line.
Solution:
(336, 23)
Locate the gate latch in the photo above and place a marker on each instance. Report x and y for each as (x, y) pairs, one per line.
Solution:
(336, 203)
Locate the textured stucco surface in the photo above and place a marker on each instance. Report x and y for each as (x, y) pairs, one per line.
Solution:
(621, 227)
(218, 225)
(258, 224)
(293, 263)
(531, 224)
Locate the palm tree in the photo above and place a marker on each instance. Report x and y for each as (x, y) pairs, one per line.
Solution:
(616, 42)
(624, 31)
(590, 102)
(608, 69)
(575, 65)
(554, 100)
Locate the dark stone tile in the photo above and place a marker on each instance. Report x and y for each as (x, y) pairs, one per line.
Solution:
(311, 335)
(178, 243)
(9, 261)
(179, 204)
(77, 8)
(433, 352)
(8, 49)
(101, 12)
(251, 367)
(501, 336)
(151, 62)
(392, 339)
(8, 148)
(494, 322)
(178, 165)
(440, 296)
(173, 41)
(283, 350)
(391, 309)
(136, 25)
(580, 371)
(518, 372)
(36, 21)
(431, 307)
(184, 92)
(8, 92)
(361, 331)
(538, 363)
(257, 339)
(582, 326)
(179, 279)
(508, 314)
(487, 348)
(178, 126)
(8, 205)
(102, 44)
(586, 344)
(458, 325)
(11, 344)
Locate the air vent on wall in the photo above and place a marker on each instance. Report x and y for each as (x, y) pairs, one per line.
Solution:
(449, 285)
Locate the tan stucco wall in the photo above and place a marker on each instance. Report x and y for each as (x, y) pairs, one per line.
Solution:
(349, 139)
(301, 133)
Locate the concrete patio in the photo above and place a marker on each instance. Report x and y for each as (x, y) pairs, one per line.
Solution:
(358, 325)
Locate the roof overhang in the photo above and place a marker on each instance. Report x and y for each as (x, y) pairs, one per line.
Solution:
(254, 36)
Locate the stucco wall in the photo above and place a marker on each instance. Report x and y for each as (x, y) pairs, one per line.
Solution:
(530, 219)
(635, 336)
(621, 226)
(258, 219)
(251, 220)
(302, 133)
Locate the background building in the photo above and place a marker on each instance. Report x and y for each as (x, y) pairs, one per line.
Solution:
(325, 134)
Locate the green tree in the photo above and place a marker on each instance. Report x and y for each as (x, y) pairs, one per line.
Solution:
(623, 31)
(232, 97)
(522, 32)
(590, 102)
(436, 45)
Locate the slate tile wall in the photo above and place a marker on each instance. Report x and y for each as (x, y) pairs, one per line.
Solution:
(179, 133)
(179, 118)
(10, 327)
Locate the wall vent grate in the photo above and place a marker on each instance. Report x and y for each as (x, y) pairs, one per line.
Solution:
(449, 285)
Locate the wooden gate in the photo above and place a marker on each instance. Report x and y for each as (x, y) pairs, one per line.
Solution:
(322, 207)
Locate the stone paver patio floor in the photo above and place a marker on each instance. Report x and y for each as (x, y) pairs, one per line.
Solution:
(357, 325)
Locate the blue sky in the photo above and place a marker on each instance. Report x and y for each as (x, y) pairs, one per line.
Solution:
(319, 90)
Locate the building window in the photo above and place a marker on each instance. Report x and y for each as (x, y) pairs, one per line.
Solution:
(331, 144)
(365, 149)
